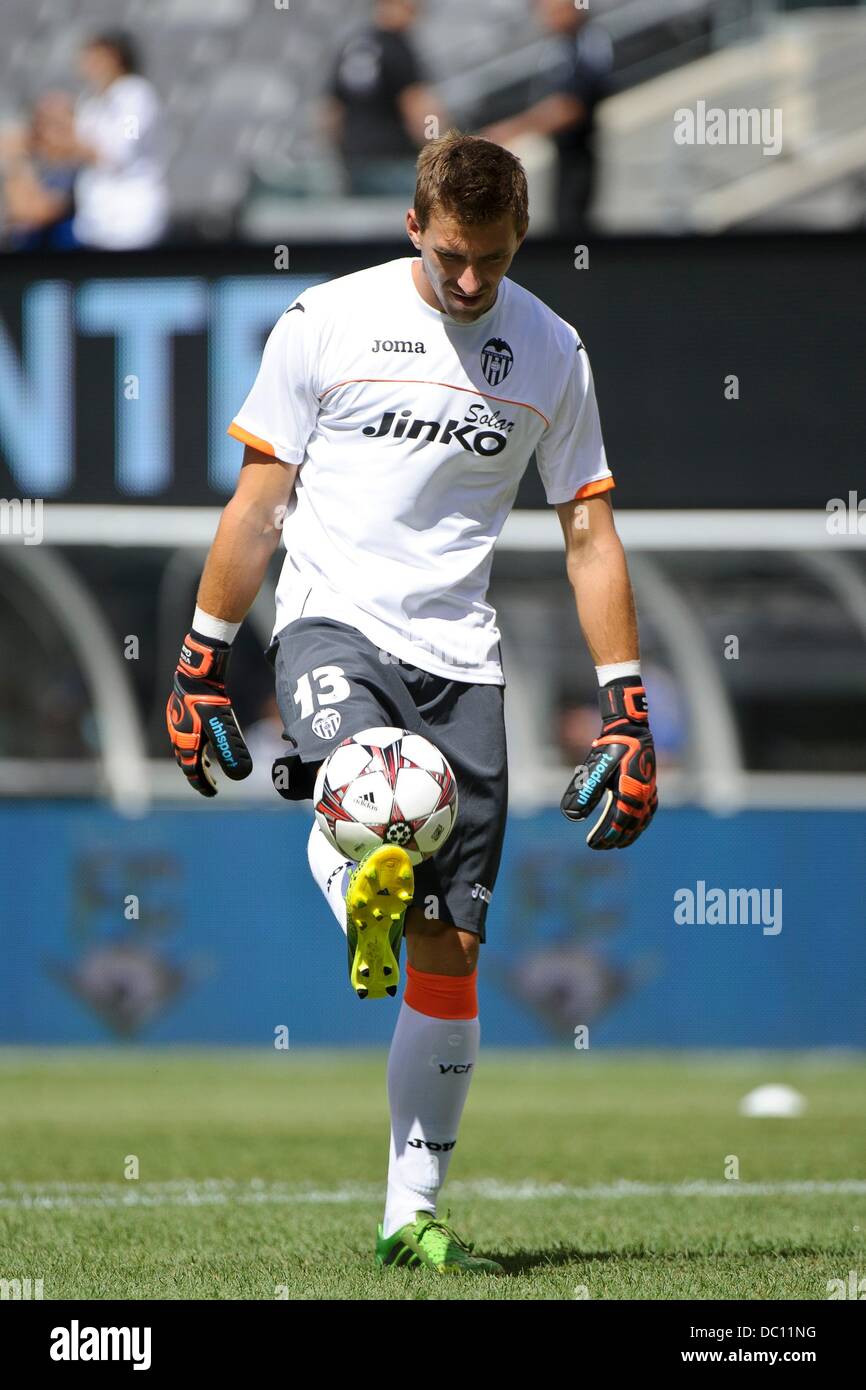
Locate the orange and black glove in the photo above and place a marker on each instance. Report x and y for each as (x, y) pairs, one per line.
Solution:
(200, 717)
(619, 773)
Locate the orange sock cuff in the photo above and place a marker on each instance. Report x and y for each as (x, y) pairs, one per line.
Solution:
(442, 996)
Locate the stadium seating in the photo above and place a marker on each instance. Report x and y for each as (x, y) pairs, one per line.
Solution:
(240, 80)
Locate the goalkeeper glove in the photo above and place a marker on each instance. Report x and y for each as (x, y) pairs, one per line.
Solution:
(200, 717)
(619, 772)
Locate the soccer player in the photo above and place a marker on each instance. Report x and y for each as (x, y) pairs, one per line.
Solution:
(394, 413)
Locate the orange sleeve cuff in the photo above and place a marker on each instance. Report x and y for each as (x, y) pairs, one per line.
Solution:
(593, 489)
(442, 996)
(238, 432)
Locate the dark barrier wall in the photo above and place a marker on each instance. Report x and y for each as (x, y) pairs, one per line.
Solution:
(118, 375)
(710, 932)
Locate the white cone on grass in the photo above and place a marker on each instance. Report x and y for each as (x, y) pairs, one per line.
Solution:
(773, 1101)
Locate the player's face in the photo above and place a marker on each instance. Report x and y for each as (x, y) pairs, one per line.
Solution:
(461, 266)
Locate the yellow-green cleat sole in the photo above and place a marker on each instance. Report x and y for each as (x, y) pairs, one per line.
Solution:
(379, 892)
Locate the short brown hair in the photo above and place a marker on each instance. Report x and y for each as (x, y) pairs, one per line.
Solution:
(473, 179)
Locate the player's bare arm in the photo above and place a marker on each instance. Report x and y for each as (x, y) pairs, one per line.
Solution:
(199, 714)
(619, 773)
(598, 573)
(247, 536)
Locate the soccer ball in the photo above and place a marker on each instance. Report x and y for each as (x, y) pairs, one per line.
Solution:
(386, 786)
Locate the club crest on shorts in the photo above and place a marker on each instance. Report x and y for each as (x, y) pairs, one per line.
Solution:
(497, 359)
(326, 723)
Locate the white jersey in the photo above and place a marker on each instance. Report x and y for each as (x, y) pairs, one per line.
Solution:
(413, 432)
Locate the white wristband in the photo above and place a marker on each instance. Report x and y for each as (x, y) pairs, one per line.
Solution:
(217, 628)
(617, 668)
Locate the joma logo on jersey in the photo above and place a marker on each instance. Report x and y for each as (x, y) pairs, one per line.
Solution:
(396, 345)
(481, 431)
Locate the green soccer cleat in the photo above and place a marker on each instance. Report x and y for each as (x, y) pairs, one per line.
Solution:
(428, 1242)
(379, 892)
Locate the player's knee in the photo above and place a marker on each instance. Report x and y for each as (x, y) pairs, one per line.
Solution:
(469, 948)
(430, 939)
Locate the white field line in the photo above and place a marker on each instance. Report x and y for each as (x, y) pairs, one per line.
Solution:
(52, 1196)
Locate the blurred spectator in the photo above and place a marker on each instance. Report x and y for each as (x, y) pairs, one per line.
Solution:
(379, 104)
(562, 100)
(116, 141)
(37, 191)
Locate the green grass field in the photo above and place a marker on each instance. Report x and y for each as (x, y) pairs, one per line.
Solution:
(262, 1176)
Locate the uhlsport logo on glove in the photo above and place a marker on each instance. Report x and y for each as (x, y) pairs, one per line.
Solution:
(221, 739)
(586, 788)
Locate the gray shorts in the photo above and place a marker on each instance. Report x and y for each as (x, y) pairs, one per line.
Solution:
(332, 682)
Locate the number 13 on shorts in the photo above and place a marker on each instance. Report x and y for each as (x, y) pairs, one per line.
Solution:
(331, 687)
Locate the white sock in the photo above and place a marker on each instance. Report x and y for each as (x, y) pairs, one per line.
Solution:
(330, 869)
(427, 1096)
